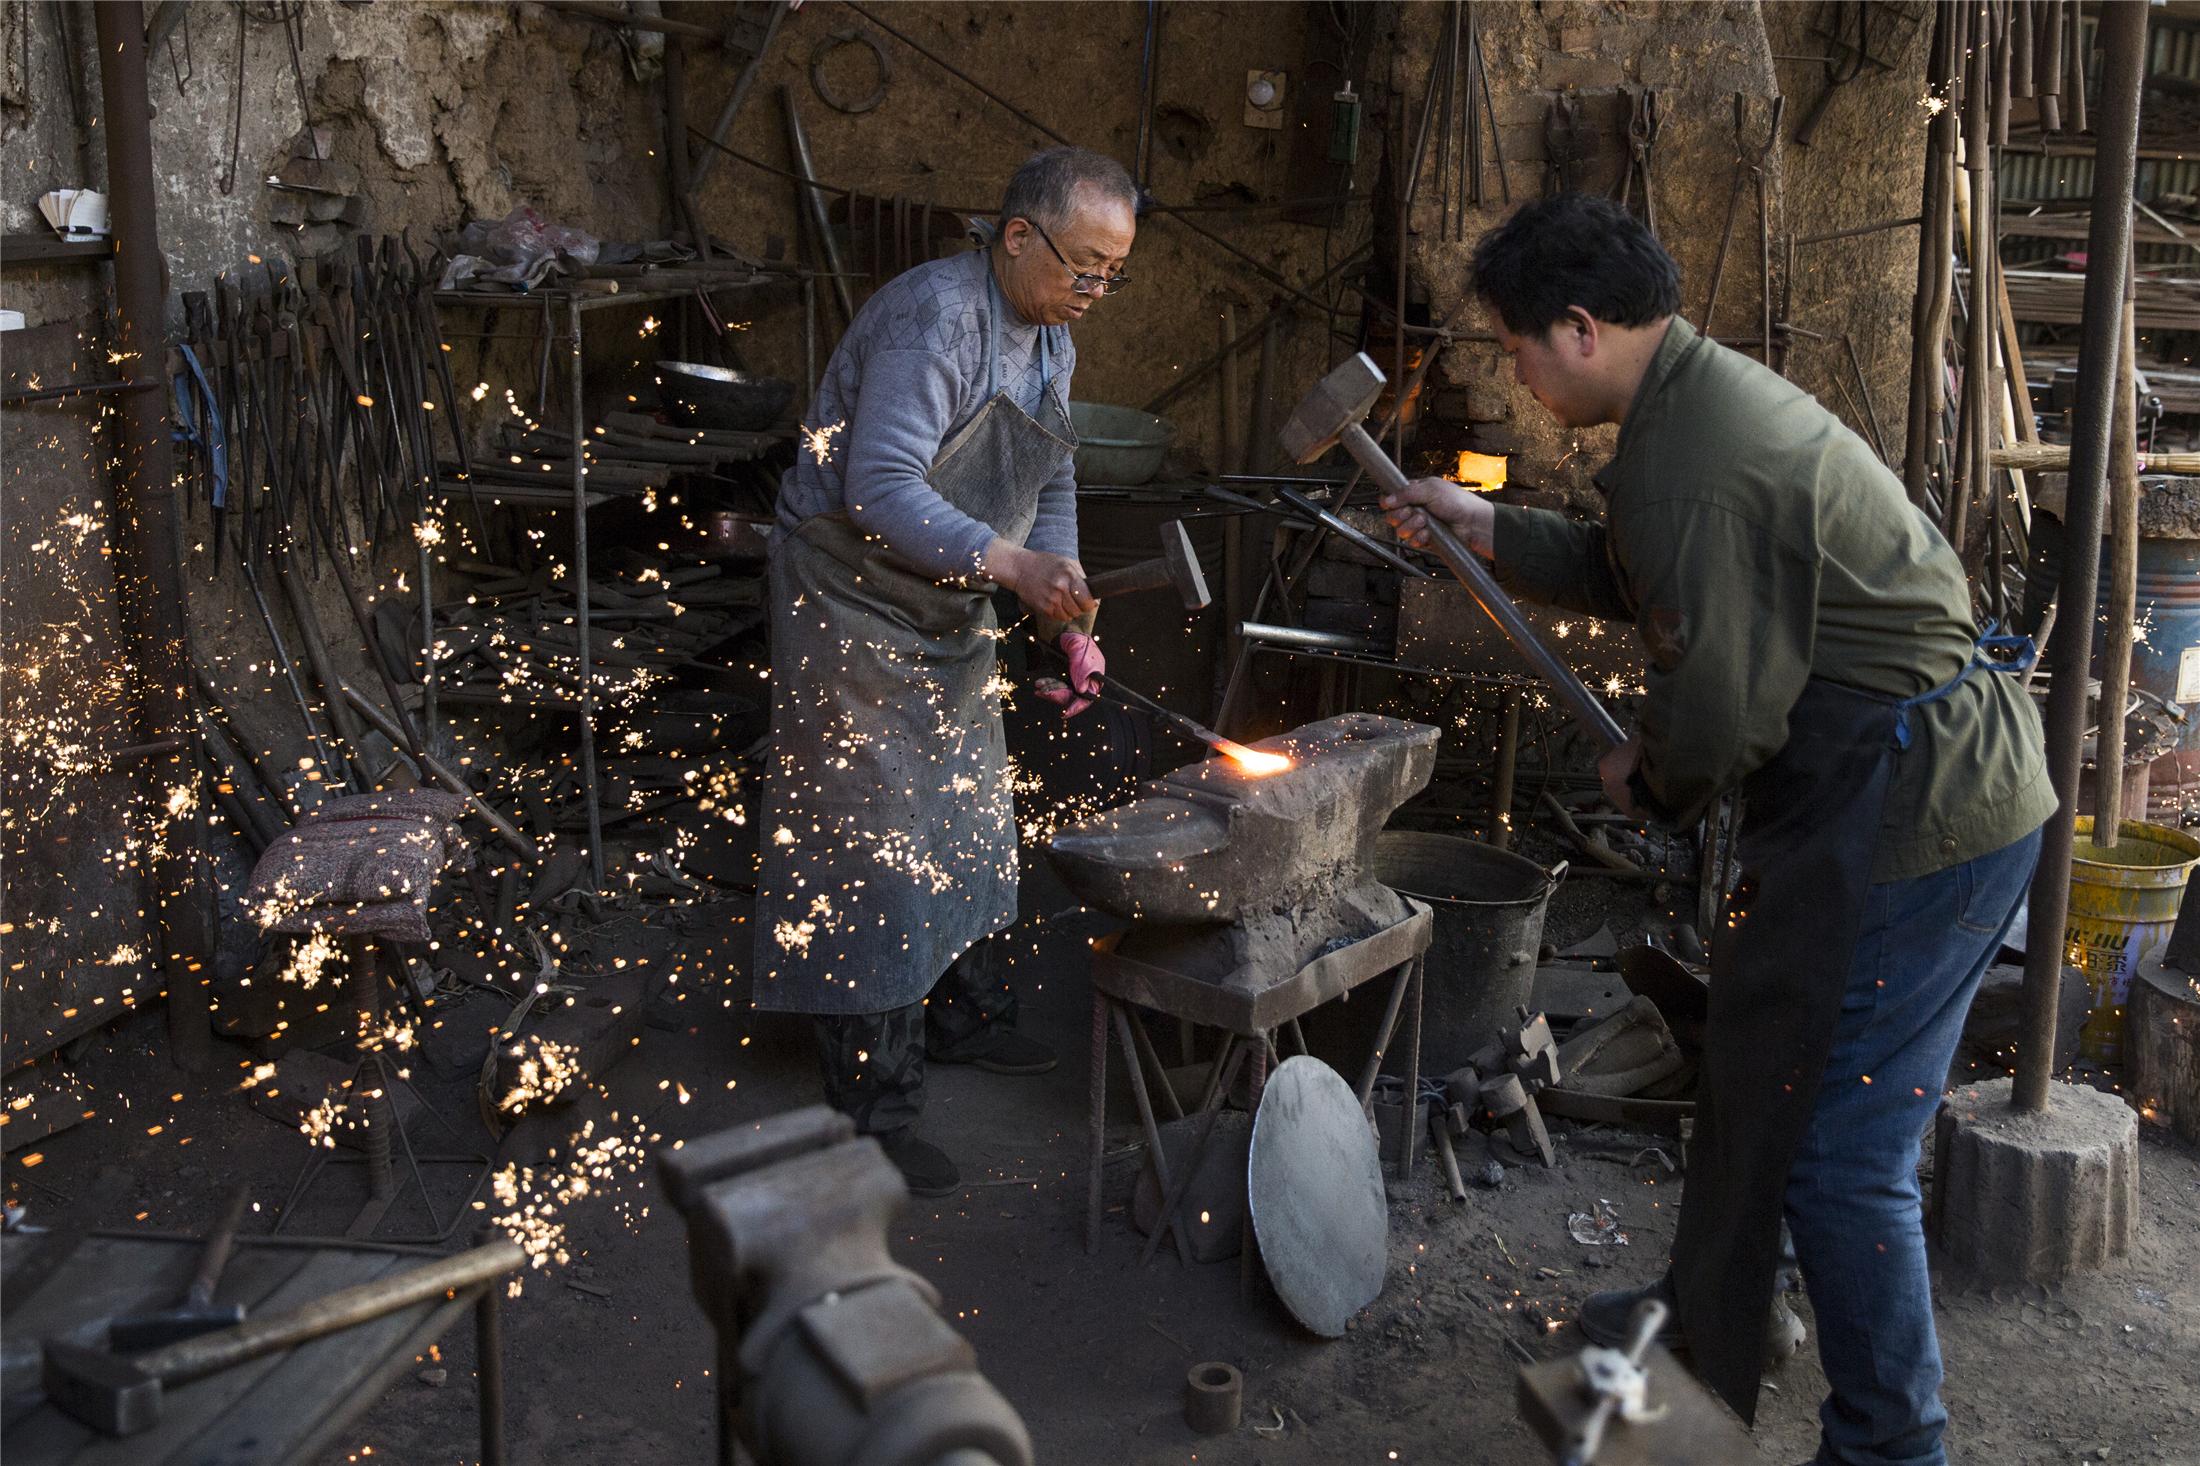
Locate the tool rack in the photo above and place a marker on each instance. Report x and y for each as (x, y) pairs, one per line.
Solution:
(573, 307)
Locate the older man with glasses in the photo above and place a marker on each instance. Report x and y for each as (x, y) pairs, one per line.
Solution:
(936, 465)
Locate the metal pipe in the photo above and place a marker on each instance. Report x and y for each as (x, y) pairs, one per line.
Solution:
(1307, 638)
(2120, 604)
(813, 201)
(580, 595)
(149, 525)
(2108, 260)
(1483, 586)
(489, 1374)
(1978, 334)
(1935, 245)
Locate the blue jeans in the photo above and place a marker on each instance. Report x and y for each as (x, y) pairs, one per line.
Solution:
(1852, 1196)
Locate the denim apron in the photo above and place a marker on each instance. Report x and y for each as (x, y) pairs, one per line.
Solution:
(1810, 830)
(888, 837)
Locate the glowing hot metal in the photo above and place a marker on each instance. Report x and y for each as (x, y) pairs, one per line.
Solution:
(1252, 760)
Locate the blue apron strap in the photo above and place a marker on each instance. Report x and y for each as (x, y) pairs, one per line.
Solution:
(1993, 651)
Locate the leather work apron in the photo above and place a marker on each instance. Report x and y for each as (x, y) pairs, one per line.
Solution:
(888, 837)
(1810, 830)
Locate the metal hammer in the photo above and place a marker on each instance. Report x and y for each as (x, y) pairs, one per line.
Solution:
(122, 1396)
(1331, 414)
(1177, 565)
(197, 1313)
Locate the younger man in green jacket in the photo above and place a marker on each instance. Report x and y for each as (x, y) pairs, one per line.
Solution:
(1811, 644)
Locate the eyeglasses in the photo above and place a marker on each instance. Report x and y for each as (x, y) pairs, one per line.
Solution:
(1080, 281)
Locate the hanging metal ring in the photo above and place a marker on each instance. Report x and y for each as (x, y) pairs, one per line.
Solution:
(825, 94)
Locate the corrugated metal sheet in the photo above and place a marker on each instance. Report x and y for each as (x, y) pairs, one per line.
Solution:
(2038, 177)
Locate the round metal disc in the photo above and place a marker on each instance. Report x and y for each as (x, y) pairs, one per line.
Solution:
(1316, 1186)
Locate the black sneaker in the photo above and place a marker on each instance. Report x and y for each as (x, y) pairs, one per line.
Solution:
(997, 1050)
(924, 1167)
(1604, 1317)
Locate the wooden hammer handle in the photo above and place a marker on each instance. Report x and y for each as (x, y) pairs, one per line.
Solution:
(1145, 575)
(347, 1308)
(219, 1244)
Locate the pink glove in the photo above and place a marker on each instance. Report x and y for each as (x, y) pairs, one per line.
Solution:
(1086, 667)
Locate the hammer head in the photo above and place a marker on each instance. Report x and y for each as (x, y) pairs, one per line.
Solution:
(158, 1330)
(1337, 402)
(104, 1391)
(1183, 562)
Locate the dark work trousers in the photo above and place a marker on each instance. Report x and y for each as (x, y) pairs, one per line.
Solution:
(874, 1062)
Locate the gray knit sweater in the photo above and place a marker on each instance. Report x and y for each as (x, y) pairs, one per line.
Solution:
(907, 376)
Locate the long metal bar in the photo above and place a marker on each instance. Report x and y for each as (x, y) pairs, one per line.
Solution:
(1306, 638)
(2120, 604)
(578, 429)
(2123, 30)
(149, 530)
(1483, 586)
(489, 1373)
(813, 203)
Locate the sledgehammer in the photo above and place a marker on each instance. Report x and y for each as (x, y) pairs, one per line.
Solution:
(120, 1395)
(1331, 413)
(1177, 566)
(196, 1314)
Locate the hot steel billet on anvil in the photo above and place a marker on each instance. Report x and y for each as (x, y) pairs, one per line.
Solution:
(1210, 844)
(1331, 413)
(1238, 885)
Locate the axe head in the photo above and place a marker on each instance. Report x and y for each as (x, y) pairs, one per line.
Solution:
(1337, 402)
(1183, 562)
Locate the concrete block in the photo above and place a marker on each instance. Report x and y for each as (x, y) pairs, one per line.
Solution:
(2034, 1198)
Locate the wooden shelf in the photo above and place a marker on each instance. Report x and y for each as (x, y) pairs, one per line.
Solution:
(49, 249)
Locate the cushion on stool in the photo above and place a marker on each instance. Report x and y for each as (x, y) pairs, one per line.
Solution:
(361, 865)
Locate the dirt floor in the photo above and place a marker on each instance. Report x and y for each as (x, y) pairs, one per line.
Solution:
(607, 1355)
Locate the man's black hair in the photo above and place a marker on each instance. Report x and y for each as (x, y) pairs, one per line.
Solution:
(1572, 250)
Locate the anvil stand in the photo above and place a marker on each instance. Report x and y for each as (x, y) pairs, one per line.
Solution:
(372, 1088)
(1249, 1020)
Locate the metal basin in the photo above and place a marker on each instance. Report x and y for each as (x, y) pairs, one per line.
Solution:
(699, 396)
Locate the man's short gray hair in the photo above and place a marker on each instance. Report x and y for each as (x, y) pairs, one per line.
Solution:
(1044, 187)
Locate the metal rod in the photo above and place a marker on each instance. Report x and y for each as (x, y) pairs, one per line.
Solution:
(436, 770)
(1382, 552)
(2119, 603)
(1152, 1128)
(489, 1373)
(1364, 1091)
(813, 203)
(2108, 258)
(150, 578)
(1483, 586)
(1978, 335)
(577, 426)
(1881, 227)
(1300, 636)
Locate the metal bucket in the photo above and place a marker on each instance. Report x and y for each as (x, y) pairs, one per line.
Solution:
(1489, 926)
(1489, 907)
(2123, 903)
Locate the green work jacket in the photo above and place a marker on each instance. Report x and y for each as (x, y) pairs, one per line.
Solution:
(1756, 542)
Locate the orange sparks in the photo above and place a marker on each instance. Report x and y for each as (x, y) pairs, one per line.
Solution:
(1253, 760)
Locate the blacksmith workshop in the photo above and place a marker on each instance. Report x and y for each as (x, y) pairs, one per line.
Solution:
(1135, 732)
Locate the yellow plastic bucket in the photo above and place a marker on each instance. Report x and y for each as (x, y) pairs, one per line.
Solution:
(2123, 902)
